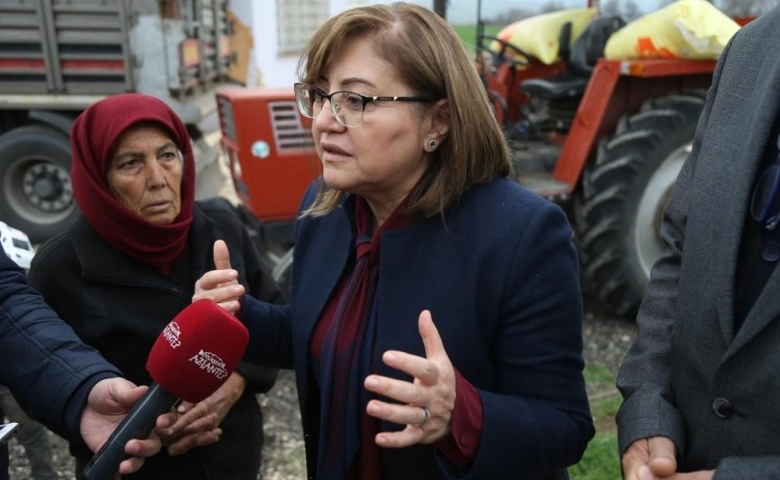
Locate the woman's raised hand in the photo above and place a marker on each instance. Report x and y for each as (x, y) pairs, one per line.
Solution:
(198, 424)
(427, 403)
(220, 285)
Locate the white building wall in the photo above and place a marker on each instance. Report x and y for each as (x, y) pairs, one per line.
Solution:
(275, 70)
(268, 67)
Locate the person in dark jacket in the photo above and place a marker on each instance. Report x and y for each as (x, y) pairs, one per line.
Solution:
(128, 265)
(31, 435)
(4, 461)
(66, 385)
(435, 322)
(700, 384)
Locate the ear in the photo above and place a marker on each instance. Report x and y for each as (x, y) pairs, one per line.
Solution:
(438, 121)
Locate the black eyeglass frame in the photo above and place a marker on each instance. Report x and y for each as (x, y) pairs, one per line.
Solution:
(366, 100)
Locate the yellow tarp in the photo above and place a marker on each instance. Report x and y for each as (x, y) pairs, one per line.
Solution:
(539, 36)
(683, 29)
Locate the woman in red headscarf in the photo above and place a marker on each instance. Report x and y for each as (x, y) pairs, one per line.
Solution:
(129, 264)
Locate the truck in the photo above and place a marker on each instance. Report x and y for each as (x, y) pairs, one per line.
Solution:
(57, 57)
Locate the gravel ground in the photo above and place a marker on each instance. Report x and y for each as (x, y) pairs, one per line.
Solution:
(606, 340)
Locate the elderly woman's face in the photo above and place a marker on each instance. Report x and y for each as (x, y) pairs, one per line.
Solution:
(145, 174)
(382, 158)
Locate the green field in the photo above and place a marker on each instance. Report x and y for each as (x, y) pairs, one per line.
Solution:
(468, 33)
(600, 461)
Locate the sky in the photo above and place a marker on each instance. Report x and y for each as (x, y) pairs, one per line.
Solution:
(465, 11)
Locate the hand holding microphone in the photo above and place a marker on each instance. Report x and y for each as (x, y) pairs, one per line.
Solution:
(107, 405)
(192, 358)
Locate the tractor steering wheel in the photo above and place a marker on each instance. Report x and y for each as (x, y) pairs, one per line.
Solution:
(520, 58)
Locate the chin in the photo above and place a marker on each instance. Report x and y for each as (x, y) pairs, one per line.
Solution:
(162, 219)
(336, 181)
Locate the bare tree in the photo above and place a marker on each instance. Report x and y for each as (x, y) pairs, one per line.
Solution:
(552, 6)
(630, 10)
(744, 8)
(512, 15)
(627, 9)
(737, 8)
(610, 7)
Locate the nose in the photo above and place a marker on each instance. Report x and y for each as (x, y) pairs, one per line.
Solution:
(326, 120)
(156, 173)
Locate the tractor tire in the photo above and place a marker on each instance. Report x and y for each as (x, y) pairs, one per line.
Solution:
(619, 205)
(36, 196)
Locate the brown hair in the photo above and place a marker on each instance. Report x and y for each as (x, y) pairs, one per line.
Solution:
(431, 59)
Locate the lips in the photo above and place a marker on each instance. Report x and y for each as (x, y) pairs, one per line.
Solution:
(331, 151)
(157, 207)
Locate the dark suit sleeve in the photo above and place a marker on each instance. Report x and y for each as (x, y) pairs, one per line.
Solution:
(270, 326)
(258, 283)
(48, 369)
(537, 419)
(270, 333)
(644, 378)
(261, 286)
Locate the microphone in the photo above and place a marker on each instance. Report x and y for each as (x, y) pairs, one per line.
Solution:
(193, 356)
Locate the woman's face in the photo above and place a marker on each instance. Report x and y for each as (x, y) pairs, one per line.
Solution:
(382, 158)
(145, 174)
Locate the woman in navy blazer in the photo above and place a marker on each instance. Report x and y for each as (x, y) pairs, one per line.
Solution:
(435, 325)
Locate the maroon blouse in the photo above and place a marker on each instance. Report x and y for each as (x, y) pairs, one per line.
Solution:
(460, 446)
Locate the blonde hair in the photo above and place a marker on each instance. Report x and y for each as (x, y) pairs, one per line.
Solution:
(430, 58)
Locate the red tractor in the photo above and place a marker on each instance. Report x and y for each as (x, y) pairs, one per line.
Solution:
(606, 139)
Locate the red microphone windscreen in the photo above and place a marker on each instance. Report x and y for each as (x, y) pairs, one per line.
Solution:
(197, 352)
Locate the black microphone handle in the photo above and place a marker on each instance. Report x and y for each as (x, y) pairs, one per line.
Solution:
(138, 424)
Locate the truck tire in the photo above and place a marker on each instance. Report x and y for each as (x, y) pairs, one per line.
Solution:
(619, 205)
(36, 195)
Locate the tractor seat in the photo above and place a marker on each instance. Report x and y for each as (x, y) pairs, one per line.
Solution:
(580, 61)
(562, 86)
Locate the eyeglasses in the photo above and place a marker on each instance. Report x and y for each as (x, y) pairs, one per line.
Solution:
(347, 107)
(765, 204)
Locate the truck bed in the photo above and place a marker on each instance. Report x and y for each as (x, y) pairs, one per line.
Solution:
(98, 47)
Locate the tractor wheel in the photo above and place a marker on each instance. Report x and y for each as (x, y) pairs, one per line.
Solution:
(36, 195)
(619, 206)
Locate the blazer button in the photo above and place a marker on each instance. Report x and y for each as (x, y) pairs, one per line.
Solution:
(722, 408)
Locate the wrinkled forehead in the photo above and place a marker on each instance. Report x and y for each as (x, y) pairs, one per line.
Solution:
(144, 131)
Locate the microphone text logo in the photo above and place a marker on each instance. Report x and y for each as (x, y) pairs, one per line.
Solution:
(171, 333)
(210, 363)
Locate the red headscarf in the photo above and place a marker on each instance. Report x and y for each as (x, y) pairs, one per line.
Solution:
(93, 139)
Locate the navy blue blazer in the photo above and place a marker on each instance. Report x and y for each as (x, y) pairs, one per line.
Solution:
(499, 273)
(48, 369)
